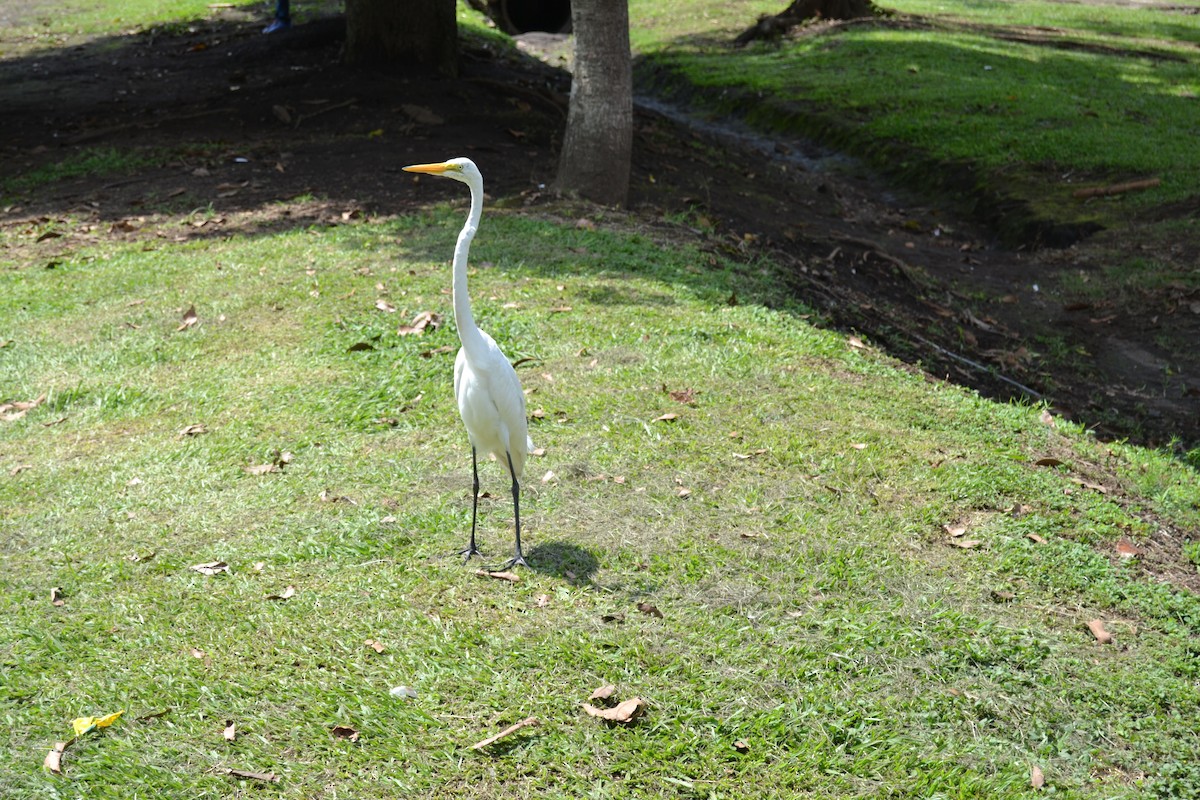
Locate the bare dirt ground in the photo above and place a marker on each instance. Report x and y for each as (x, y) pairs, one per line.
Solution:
(244, 133)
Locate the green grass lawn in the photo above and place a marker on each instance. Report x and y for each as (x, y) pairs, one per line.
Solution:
(787, 523)
(785, 497)
(1041, 98)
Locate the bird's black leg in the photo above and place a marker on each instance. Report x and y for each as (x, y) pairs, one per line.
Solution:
(516, 493)
(471, 549)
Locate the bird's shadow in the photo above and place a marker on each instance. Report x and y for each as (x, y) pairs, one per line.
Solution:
(564, 560)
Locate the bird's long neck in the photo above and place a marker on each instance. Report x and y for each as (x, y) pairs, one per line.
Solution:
(468, 332)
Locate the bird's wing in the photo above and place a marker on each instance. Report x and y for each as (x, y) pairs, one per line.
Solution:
(506, 393)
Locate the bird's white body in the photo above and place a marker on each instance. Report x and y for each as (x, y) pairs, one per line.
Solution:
(492, 405)
(486, 386)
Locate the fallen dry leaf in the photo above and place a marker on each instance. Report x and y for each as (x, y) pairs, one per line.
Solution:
(56, 596)
(197, 652)
(624, 712)
(423, 320)
(154, 714)
(1036, 779)
(18, 469)
(344, 732)
(1095, 487)
(269, 777)
(856, 343)
(955, 530)
(189, 319)
(685, 396)
(1047, 417)
(230, 732)
(53, 760)
(603, 693)
(375, 645)
(649, 608)
(549, 476)
(742, 746)
(1096, 626)
(194, 430)
(262, 469)
(503, 576)
(543, 600)
(859, 446)
(1001, 596)
(290, 591)
(210, 567)
(670, 416)
(560, 309)
(528, 722)
(326, 497)
(1127, 550)
(23, 405)
(1048, 461)
(1033, 537)
(384, 305)
(966, 544)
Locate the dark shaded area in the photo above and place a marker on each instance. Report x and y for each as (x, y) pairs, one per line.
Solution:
(564, 560)
(224, 131)
(524, 16)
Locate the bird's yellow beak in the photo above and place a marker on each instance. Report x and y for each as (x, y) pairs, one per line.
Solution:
(433, 169)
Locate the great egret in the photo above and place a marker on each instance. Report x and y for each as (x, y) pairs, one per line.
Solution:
(486, 386)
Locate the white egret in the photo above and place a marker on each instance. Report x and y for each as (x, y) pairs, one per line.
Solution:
(486, 386)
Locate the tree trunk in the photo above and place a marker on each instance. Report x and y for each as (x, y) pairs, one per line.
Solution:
(802, 10)
(423, 32)
(598, 142)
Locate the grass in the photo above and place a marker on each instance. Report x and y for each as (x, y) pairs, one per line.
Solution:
(90, 161)
(43, 26)
(788, 525)
(1039, 97)
(812, 607)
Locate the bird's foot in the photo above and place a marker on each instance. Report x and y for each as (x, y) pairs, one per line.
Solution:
(516, 561)
(468, 551)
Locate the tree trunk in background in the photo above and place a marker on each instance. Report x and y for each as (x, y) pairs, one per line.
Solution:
(423, 32)
(803, 10)
(598, 142)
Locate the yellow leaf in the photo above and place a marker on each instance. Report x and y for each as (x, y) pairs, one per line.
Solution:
(104, 722)
(84, 725)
